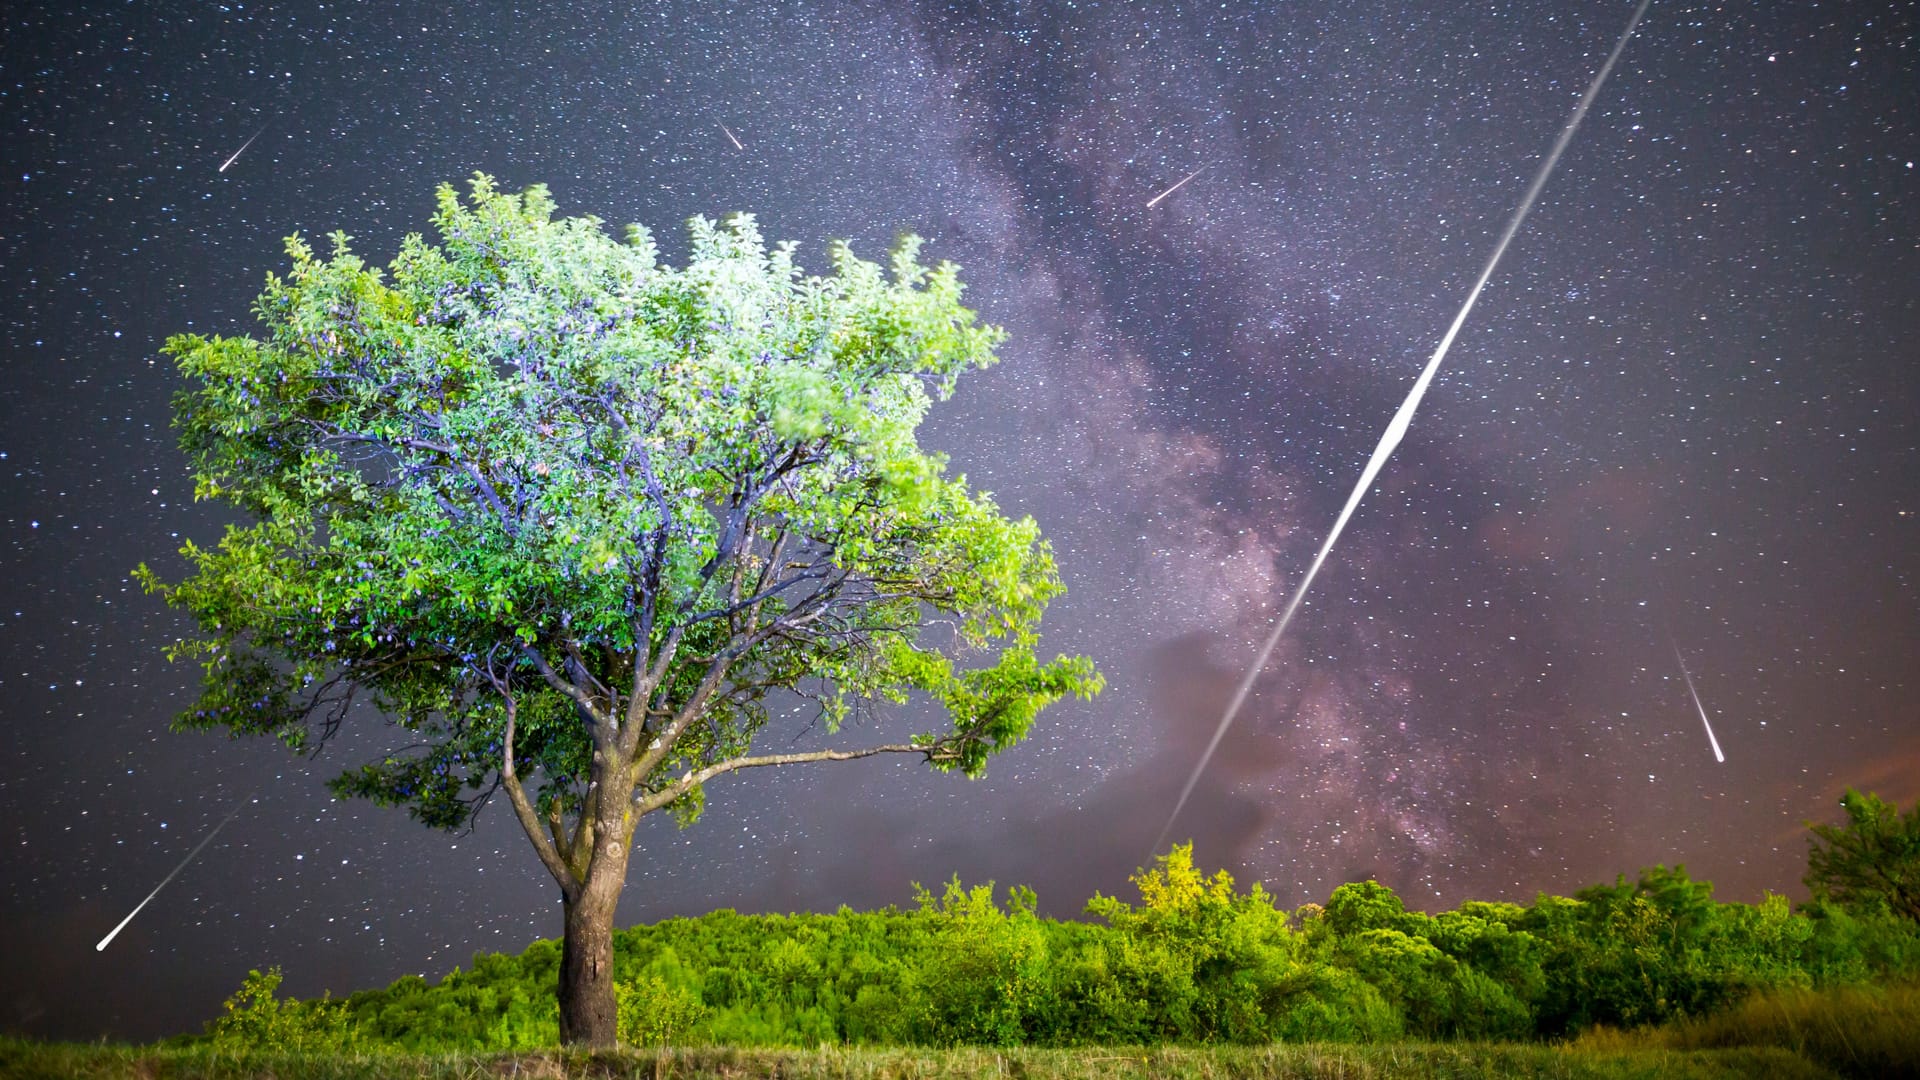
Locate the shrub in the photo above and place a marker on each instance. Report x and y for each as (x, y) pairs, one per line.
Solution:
(256, 1019)
(984, 973)
(1335, 1005)
(654, 1012)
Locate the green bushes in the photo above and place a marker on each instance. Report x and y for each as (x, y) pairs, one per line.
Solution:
(1335, 1005)
(982, 973)
(1661, 948)
(655, 1012)
(254, 1017)
(1195, 961)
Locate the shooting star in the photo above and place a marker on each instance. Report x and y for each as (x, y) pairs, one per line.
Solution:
(1397, 428)
(1717, 755)
(731, 138)
(108, 940)
(242, 150)
(1176, 187)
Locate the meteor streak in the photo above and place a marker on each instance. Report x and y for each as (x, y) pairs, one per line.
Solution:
(1176, 187)
(115, 932)
(242, 150)
(1397, 428)
(1717, 755)
(731, 139)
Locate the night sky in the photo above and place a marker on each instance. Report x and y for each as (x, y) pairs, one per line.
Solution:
(1688, 404)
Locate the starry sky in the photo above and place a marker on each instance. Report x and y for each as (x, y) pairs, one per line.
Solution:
(1687, 405)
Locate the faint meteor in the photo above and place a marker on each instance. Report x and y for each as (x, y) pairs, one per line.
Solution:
(242, 150)
(731, 139)
(1717, 755)
(108, 940)
(1397, 428)
(1176, 187)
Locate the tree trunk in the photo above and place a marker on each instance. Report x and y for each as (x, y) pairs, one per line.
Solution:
(587, 1007)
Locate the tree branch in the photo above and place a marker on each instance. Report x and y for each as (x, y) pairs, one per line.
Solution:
(484, 486)
(577, 670)
(566, 686)
(740, 513)
(646, 804)
(646, 675)
(814, 574)
(662, 744)
(523, 809)
(696, 703)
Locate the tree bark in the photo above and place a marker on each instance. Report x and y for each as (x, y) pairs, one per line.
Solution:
(588, 1012)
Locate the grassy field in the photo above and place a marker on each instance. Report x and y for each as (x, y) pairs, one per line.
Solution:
(35, 1061)
(1858, 1031)
(1783, 1035)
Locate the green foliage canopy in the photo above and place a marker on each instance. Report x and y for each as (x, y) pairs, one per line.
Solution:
(1870, 863)
(545, 500)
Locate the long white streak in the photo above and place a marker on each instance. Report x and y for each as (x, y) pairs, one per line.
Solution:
(1397, 428)
(1176, 187)
(731, 138)
(108, 940)
(1717, 755)
(242, 150)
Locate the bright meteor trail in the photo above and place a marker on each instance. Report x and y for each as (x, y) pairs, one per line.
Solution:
(242, 150)
(1397, 428)
(1176, 187)
(108, 940)
(1717, 755)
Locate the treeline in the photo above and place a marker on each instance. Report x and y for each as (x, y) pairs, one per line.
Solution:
(1194, 961)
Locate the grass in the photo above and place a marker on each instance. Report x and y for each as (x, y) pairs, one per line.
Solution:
(1783, 1035)
(1855, 1030)
(1453, 1061)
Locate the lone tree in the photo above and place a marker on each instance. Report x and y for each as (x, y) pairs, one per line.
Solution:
(1870, 863)
(576, 519)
